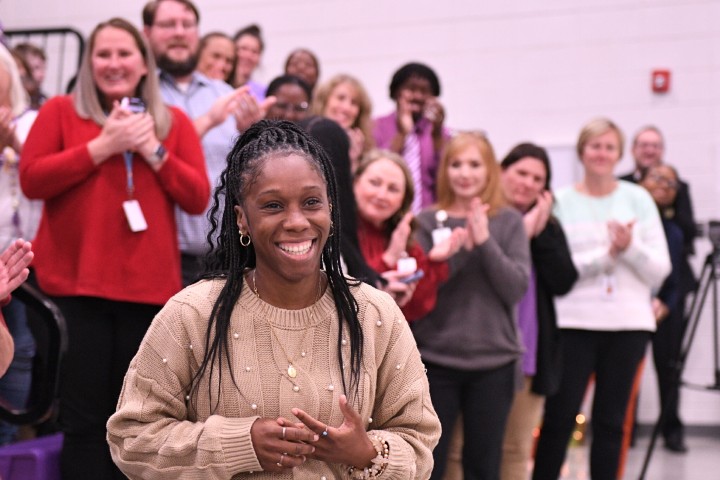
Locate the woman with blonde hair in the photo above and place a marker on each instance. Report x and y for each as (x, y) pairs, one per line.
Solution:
(19, 218)
(469, 342)
(344, 100)
(112, 162)
(618, 247)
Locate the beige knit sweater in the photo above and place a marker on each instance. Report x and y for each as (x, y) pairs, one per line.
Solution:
(157, 434)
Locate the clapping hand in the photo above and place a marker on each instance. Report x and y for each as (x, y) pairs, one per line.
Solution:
(450, 246)
(347, 444)
(398, 241)
(477, 223)
(405, 121)
(435, 112)
(123, 131)
(537, 217)
(620, 236)
(13, 266)
(247, 110)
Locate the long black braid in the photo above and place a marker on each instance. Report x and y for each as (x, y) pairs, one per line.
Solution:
(228, 259)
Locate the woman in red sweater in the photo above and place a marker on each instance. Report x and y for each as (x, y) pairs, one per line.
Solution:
(384, 193)
(111, 172)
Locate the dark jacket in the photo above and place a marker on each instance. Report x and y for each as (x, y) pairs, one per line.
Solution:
(555, 275)
(681, 212)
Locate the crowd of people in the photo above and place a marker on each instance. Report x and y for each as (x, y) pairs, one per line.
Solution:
(259, 280)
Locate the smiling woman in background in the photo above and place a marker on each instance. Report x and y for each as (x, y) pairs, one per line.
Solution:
(383, 193)
(249, 44)
(293, 98)
(469, 341)
(619, 250)
(106, 250)
(526, 181)
(304, 64)
(216, 56)
(344, 100)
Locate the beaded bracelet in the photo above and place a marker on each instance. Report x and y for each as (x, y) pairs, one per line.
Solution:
(378, 463)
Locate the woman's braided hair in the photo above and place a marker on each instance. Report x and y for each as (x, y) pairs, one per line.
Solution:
(228, 259)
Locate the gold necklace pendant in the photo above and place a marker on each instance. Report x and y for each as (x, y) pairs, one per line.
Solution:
(291, 371)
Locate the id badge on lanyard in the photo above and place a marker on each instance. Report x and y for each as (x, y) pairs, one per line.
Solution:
(133, 212)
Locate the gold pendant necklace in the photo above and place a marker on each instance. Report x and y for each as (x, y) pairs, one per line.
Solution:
(291, 370)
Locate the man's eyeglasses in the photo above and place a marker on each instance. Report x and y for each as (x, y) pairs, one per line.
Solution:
(172, 25)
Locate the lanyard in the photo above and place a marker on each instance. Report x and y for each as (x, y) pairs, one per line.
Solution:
(129, 170)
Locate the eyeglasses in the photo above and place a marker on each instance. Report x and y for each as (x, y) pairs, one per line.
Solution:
(172, 24)
(653, 145)
(667, 182)
(297, 108)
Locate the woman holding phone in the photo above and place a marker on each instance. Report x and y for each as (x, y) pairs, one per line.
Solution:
(384, 192)
(106, 249)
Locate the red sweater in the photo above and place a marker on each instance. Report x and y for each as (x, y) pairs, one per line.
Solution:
(84, 245)
(373, 243)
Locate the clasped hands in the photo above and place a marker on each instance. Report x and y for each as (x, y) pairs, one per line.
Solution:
(620, 236)
(125, 131)
(281, 444)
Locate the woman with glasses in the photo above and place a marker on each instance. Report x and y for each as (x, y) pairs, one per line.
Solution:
(293, 98)
(662, 183)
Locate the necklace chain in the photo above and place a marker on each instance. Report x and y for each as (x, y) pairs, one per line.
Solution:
(291, 369)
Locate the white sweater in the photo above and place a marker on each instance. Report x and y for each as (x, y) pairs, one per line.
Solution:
(612, 294)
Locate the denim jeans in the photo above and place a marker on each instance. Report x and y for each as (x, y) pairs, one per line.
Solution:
(15, 384)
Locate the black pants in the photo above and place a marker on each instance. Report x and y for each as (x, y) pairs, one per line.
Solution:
(103, 336)
(614, 358)
(666, 351)
(484, 397)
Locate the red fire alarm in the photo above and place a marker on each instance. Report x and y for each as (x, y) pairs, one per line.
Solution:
(661, 81)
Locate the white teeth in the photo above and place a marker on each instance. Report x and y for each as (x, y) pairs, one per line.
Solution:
(296, 249)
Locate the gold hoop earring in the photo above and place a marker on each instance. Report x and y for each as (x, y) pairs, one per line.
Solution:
(332, 228)
(245, 240)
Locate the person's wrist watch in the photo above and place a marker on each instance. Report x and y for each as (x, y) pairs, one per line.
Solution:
(157, 156)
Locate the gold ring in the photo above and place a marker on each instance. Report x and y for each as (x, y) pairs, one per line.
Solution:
(283, 433)
(280, 464)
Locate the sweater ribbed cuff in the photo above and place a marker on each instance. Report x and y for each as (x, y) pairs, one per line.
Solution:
(237, 445)
(401, 461)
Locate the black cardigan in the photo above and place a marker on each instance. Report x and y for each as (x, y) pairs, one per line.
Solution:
(555, 275)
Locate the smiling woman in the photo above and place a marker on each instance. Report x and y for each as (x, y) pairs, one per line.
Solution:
(216, 56)
(106, 249)
(619, 250)
(276, 362)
